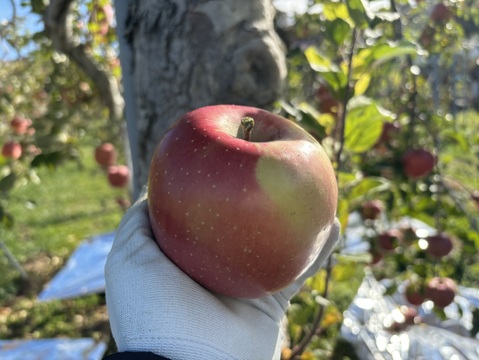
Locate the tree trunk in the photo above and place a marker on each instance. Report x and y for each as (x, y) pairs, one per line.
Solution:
(179, 55)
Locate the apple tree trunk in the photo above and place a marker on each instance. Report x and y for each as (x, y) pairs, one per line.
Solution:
(178, 55)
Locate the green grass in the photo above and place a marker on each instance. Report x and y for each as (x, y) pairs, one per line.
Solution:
(72, 203)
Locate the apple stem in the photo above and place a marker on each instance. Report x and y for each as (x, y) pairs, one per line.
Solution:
(247, 123)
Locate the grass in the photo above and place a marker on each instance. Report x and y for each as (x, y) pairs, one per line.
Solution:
(72, 203)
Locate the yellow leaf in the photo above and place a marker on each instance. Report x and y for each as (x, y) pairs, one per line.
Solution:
(362, 84)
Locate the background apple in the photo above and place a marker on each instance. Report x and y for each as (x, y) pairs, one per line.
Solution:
(418, 163)
(242, 218)
(389, 239)
(105, 154)
(441, 291)
(371, 209)
(20, 125)
(415, 294)
(12, 150)
(118, 175)
(439, 245)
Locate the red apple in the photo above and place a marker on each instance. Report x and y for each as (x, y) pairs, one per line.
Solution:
(439, 245)
(411, 315)
(441, 13)
(327, 103)
(414, 294)
(12, 150)
(105, 154)
(390, 239)
(376, 256)
(418, 163)
(243, 217)
(389, 132)
(441, 291)
(20, 125)
(371, 209)
(118, 175)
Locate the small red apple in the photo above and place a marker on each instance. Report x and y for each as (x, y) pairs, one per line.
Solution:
(241, 212)
(371, 209)
(105, 154)
(439, 245)
(118, 175)
(326, 102)
(418, 163)
(441, 291)
(20, 125)
(12, 150)
(411, 316)
(415, 294)
(441, 13)
(389, 132)
(376, 256)
(389, 239)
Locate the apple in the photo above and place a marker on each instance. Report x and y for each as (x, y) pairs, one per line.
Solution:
(105, 154)
(439, 245)
(441, 13)
(118, 175)
(415, 294)
(371, 209)
(418, 163)
(411, 316)
(389, 132)
(389, 239)
(441, 291)
(376, 256)
(326, 102)
(12, 150)
(242, 211)
(20, 125)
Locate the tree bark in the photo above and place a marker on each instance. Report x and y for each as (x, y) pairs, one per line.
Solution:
(189, 54)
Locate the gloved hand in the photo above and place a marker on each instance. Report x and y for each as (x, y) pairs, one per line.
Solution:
(153, 306)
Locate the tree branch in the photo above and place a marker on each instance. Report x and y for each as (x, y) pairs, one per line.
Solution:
(58, 26)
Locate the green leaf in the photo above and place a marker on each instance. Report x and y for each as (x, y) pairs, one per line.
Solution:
(337, 10)
(367, 186)
(384, 52)
(329, 71)
(362, 84)
(8, 182)
(360, 13)
(6, 219)
(337, 30)
(318, 62)
(48, 159)
(363, 127)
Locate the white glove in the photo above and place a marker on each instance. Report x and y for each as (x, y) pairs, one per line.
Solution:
(153, 306)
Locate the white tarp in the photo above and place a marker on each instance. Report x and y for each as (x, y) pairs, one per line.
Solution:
(52, 349)
(84, 271)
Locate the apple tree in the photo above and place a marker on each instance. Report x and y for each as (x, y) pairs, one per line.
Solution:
(394, 108)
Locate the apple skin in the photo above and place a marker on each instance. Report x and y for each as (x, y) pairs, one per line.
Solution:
(418, 163)
(12, 150)
(439, 245)
(242, 218)
(441, 291)
(118, 175)
(105, 154)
